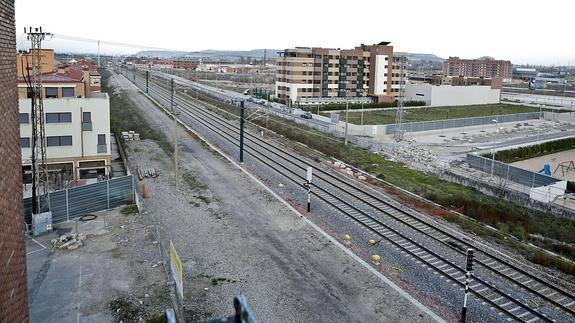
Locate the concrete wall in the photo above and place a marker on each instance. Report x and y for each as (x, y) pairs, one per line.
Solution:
(447, 95)
(13, 278)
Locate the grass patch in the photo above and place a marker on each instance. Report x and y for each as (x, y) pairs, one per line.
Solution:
(131, 209)
(124, 116)
(204, 199)
(358, 106)
(436, 113)
(546, 260)
(157, 318)
(193, 182)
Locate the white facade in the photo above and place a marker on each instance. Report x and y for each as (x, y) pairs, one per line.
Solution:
(381, 68)
(446, 95)
(68, 119)
(293, 89)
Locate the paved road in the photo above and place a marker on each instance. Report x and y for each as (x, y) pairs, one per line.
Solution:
(533, 138)
(568, 102)
(231, 96)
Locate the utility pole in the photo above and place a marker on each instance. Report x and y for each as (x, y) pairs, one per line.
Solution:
(346, 120)
(38, 144)
(399, 114)
(468, 270)
(175, 114)
(98, 53)
(147, 81)
(241, 131)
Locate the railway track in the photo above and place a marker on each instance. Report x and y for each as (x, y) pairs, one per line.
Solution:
(328, 183)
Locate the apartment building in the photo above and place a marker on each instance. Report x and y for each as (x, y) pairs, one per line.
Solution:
(487, 67)
(77, 124)
(24, 61)
(315, 75)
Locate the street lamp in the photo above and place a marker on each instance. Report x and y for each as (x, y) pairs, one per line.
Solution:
(493, 146)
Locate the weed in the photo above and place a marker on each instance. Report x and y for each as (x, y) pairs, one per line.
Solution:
(129, 210)
(193, 182)
(157, 318)
(204, 199)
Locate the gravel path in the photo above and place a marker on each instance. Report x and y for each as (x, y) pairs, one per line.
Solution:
(233, 237)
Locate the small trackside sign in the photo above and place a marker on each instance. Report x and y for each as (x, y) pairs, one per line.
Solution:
(309, 174)
(177, 270)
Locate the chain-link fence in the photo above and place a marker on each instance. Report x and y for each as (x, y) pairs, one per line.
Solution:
(508, 172)
(465, 122)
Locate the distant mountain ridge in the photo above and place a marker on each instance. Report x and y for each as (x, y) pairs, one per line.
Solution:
(254, 53)
(212, 54)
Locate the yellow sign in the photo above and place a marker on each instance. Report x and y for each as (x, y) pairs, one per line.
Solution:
(177, 270)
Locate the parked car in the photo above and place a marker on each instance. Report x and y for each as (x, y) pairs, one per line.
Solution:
(306, 115)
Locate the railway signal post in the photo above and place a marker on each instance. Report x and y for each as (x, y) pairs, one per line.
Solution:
(147, 81)
(241, 131)
(468, 270)
(307, 186)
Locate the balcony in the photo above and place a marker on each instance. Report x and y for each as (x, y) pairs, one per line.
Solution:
(86, 126)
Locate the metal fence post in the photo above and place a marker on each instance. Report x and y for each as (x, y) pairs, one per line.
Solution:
(67, 207)
(108, 192)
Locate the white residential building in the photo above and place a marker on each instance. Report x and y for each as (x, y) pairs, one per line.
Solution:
(77, 137)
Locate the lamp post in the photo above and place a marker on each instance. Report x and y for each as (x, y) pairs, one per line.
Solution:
(493, 147)
(346, 120)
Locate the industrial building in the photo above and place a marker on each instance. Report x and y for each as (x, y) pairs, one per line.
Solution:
(77, 124)
(487, 67)
(311, 75)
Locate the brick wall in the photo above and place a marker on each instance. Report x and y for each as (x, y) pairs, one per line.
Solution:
(13, 284)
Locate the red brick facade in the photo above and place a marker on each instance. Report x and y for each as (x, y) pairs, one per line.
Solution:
(13, 280)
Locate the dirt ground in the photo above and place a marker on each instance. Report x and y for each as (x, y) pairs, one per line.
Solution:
(234, 237)
(536, 164)
(114, 277)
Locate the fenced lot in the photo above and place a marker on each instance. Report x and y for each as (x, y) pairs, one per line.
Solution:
(74, 202)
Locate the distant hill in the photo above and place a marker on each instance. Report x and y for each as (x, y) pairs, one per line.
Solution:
(226, 55)
(234, 55)
(159, 53)
(413, 57)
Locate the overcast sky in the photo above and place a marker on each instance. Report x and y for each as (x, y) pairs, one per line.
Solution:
(523, 31)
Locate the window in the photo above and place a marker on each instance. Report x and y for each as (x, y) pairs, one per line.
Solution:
(51, 92)
(25, 142)
(59, 141)
(24, 118)
(86, 117)
(101, 139)
(58, 117)
(67, 92)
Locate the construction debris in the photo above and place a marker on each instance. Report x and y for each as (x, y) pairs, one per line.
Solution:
(130, 135)
(69, 241)
(149, 172)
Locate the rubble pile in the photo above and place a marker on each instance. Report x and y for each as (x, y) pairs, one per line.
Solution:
(413, 154)
(343, 167)
(130, 135)
(69, 241)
